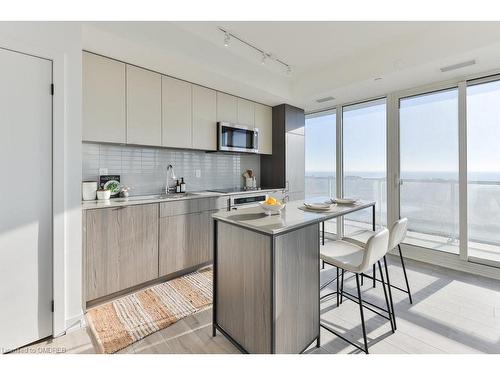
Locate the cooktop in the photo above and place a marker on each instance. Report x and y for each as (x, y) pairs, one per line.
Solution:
(233, 190)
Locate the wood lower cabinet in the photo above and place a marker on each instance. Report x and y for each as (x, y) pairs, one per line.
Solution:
(121, 248)
(185, 241)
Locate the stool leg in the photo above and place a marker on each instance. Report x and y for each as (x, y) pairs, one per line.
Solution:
(338, 296)
(406, 276)
(390, 292)
(385, 295)
(322, 264)
(361, 313)
(374, 275)
(342, 288)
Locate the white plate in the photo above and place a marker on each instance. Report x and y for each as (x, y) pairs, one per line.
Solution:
(344, 200)
(318, 206)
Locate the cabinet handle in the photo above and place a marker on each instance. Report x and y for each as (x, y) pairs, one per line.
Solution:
(119, 208)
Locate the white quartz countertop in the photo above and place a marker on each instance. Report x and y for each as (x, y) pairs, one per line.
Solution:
(291, 217)
(159, 198)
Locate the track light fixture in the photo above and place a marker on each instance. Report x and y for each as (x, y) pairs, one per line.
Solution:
(264, 55)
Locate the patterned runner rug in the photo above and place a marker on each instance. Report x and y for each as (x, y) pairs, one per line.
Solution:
(120, 323)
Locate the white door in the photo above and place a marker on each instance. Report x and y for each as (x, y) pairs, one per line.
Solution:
(25, 199)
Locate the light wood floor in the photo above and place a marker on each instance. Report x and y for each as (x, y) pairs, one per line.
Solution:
(452, 312)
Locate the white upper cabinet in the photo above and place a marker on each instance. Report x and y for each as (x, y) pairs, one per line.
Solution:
(227, 108)
(246, 113)
(264, 122)
(143, 107)
(204, 118)
(103, 99)
(177, 113)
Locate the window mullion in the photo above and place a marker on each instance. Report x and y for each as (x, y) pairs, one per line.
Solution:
(462, 167)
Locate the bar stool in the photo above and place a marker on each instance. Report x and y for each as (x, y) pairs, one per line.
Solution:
(350, 257)
(396, 236)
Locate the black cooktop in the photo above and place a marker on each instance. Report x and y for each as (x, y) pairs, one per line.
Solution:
(233, 190)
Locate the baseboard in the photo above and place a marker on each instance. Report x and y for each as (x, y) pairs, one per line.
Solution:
(74, 323)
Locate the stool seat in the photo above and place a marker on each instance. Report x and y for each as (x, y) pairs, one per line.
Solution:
(343, 254)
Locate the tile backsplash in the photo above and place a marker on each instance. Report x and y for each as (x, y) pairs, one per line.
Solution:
(143, 169)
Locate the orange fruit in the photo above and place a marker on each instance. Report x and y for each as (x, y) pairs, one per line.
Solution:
(271, 201)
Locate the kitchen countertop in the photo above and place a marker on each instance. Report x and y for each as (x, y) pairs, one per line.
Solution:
(159, 198)
(292, 217)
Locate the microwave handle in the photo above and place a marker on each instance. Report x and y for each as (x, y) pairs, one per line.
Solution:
(256, 140)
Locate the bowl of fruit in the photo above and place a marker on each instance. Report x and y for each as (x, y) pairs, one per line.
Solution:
(272, 206)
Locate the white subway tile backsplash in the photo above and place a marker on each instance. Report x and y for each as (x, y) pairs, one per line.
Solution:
(143, 168)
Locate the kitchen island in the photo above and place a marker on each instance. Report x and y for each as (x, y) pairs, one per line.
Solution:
(266, 276)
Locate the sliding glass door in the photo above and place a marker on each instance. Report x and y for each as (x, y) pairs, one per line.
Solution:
(429, 166)
(364, 144)
(483, 166)
(320, 151)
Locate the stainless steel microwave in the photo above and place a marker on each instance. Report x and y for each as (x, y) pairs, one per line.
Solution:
(237, 138)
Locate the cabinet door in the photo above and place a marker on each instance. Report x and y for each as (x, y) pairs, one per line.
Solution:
(103, 99)
(204, 118)
(264, 122)
(143, 107)
(177, 113)
(227, 108)
(246, 113)
(121, 248)
(185, 241)
(295, 163)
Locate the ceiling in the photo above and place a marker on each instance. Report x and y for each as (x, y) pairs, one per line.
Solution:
(346, 60)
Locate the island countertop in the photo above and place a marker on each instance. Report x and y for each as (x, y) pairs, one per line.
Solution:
(292, 216)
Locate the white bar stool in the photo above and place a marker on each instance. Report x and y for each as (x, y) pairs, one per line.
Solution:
(350, 257)
(396, 235)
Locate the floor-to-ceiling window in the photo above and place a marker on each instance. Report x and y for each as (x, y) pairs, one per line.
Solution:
(437, 137)
(483, 167)
(320, 138)
(428, 146)
(364, 161)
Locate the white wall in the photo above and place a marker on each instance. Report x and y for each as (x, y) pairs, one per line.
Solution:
(62, 43)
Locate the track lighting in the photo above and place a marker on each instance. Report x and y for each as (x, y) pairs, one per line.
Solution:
(265, 56)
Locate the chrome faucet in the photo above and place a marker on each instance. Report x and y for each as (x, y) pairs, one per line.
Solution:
(170, 188)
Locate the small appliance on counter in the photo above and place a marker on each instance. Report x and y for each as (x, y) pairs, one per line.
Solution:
(250, 180)
(110, 182)
(89, 190)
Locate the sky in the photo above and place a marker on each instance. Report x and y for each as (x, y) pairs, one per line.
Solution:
(428, 134)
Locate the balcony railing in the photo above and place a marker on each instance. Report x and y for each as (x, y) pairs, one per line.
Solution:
(431, 205)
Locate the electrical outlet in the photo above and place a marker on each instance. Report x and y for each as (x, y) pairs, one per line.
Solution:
(103, 171)
(197, 173)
